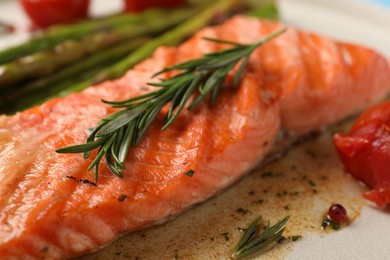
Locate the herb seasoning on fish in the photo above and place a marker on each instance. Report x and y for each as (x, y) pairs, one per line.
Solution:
(117, 132)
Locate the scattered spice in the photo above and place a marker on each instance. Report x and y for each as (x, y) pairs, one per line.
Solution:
(312, 154)
(45, 249)
(190, 173)
(85, 181)
(281, 239)
(242, 230)
(292, 238)
(283, 193)
(260, 201)
(326, 222)
(226, 236)
(176, 257)
(242, 211)
(294, 193)
(122, 197)
(266, 174)
(269, 174)
(295, 238)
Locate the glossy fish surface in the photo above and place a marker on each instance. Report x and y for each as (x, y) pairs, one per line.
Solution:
(49, 205)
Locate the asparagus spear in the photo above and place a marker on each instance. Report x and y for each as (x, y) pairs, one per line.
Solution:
(40, 95)
(86, 65)
(44, 63)
(266, 9)
(57, 34)
(169, 38)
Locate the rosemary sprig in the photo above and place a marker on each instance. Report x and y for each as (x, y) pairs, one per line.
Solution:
(118, 131)
(255, 240)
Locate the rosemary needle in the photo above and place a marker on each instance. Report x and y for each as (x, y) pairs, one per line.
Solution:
(254, 241)
(117, 132)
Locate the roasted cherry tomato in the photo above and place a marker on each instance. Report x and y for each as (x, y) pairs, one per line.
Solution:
(365, 151)
(140, 5)
(44, 13)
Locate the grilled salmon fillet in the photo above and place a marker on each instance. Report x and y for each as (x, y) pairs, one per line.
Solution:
(50, 208)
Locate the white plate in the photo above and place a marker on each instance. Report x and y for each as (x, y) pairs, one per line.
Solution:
(368, 237)
(350, 20)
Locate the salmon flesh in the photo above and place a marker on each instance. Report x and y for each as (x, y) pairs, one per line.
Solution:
(49, 205)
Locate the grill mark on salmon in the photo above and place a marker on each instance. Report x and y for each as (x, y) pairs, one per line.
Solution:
(298, 81)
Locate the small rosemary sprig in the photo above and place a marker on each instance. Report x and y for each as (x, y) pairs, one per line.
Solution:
(258, 237)
(118, 131)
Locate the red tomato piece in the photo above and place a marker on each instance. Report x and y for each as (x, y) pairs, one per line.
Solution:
(44, 13)
(140, 5)
(365, 151)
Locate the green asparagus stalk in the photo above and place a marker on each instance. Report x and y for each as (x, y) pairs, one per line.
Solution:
(44, 63)
(40, 64)
(41, 95)
(171, 37)
(85, 65)
(175, 35)
(57, 34)
(268, 11)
